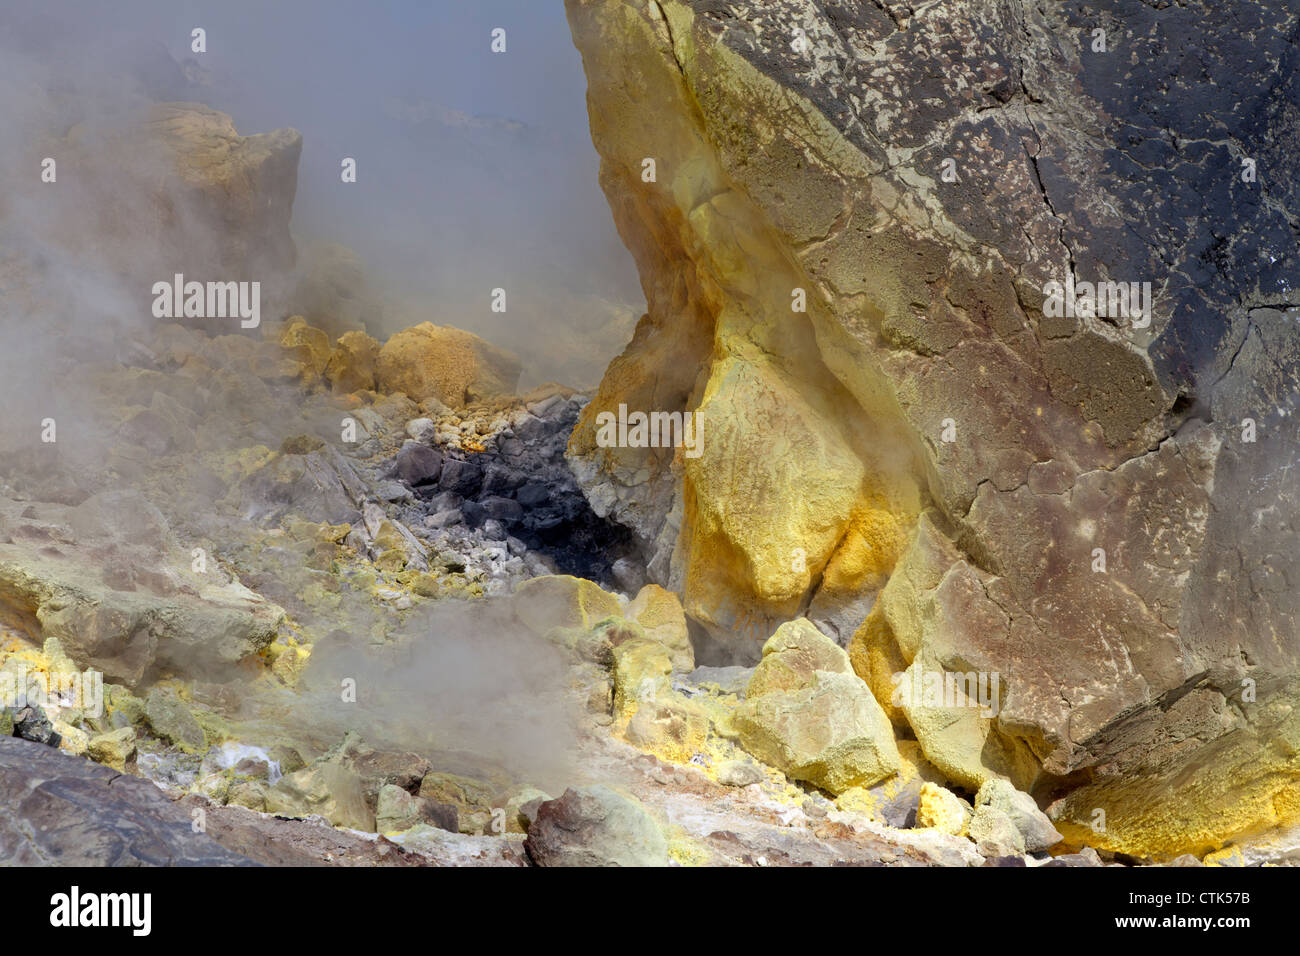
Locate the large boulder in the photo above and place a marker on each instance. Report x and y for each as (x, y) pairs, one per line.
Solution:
(66, 811)
(122, 598)
(806, 713)
(849, 250)
(594, 826)
(451, 365)
(562, 601)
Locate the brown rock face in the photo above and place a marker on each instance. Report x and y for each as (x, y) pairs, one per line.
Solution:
(854, 225)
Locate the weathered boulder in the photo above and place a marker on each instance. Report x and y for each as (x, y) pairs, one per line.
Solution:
(113, 749)
(941, 809)
(352, 362)
(397, 810)
(143, 615)
(316, 484)
(307, 349)
(451, 365)
(792, 655)
(66, 811)
(831, 732)
(660, 615)
(594, 826)
(1035, 829)
(562, 601)
(849, 252)
(806, 713)
(171, 720)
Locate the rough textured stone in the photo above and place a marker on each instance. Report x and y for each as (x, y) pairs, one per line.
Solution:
(57, 810)
(351, 363)
(171, 720)
(451, 365)
(146, 608)
(792, 655)
(942, 810)
(113, 749)
(594, 826)
(1035, 828)
(660, 615)
(829, 732)
(325, 789)
(562, 601)
(995, 832)
(800, 146)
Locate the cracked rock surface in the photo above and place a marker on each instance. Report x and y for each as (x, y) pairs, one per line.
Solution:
(926, 453)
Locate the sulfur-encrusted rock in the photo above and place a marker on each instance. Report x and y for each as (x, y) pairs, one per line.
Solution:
(659, 613)
(942, 810)
(861, 334)
(352, 362)
(806, 713)
(114, 748)
(307, 349)
(171, 720)
(451, 365)
(144, 607)
(792, 655)
(562, 601)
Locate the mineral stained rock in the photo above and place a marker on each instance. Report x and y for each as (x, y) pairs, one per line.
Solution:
(594, 826)
(451, 365)
(63, 811)
(854, 224)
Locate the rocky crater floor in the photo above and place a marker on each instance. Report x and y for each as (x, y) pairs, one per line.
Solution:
(295, 687)
(955, 578)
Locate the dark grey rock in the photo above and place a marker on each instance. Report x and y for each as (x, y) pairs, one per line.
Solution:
(417, 464)
(30, 723)
(533, 494)
(462, 477)
(503, 509)
(57, 810)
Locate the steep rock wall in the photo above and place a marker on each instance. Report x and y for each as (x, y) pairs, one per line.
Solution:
(927, 421)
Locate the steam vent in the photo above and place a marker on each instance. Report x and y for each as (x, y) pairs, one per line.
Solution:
(651, 433)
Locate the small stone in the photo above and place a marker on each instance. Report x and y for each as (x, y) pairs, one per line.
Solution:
(417, 464)
(113, 749)
(995, 833)
(942, 810)
(1033, 824)
(172, 721)
(739, 773)
(422, 429)
(31, 723)
(248, 793)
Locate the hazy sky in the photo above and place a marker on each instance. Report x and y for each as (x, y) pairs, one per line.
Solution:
(441, 212)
